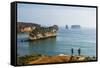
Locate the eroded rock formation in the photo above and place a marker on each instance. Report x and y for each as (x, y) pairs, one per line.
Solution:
(43, 32)
(36, 31)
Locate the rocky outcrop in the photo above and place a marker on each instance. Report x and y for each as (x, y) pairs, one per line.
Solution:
(26, 27)
(36, 31)
(75, 27)
(43, 32)
(66, 26)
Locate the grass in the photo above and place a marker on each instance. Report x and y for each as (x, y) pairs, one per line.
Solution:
(23, 60)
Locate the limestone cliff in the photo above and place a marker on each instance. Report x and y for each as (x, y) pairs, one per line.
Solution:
(43, 32)
(36, 31)
(66, 26)
(26, 27)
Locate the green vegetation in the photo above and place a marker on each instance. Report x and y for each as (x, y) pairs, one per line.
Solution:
(23, 60)
(90, 58)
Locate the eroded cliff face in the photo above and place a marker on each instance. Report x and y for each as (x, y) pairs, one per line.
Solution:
(36, 31)
(26, 27)
(41, 35)
(43, 32)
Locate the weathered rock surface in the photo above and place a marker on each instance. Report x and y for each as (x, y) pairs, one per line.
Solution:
(43, 32)
(36, 31)
(26, 27)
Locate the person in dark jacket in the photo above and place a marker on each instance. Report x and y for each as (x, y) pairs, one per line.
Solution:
(79, 51)
(72, 51)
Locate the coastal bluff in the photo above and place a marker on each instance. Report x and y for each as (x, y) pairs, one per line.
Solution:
(43, 32)
(36, 31)
(26, 26)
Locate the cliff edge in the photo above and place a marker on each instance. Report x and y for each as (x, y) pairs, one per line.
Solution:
(43, 32)
(36, 31)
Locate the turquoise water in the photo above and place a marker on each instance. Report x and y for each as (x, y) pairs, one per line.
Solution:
(85, 39)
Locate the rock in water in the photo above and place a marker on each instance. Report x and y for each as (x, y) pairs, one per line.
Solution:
(66, 26)
(75, 27)
(43, 32)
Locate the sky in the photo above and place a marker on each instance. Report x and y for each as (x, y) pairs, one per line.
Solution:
(48, 15)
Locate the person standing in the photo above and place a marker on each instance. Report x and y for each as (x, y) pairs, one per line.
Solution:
(72, 51)
(79, 51)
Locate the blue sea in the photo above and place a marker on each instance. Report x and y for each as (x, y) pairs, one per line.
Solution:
(85, 39)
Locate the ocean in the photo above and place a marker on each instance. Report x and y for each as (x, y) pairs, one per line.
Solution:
(85, 39)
